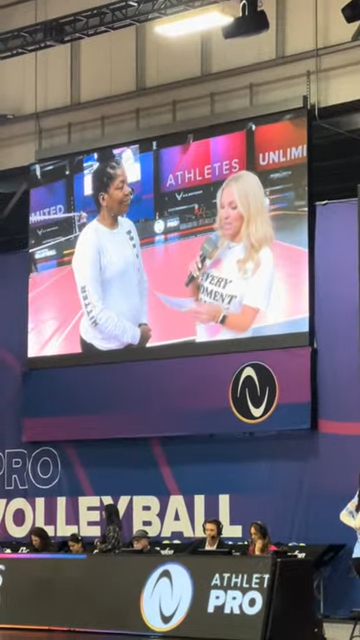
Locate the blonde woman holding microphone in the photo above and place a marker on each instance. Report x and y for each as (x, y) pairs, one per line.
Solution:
(236, 284)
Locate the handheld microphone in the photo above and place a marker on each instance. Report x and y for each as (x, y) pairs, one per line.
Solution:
(207, 252)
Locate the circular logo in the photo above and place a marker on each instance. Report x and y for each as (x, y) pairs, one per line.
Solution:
(166, 597)
(254, 392)
(159, 226)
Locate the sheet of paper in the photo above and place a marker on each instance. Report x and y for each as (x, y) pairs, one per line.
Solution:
(179, 304)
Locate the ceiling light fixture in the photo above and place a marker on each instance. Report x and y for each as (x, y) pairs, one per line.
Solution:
(252, 21)
(213, 17)
(351, 11)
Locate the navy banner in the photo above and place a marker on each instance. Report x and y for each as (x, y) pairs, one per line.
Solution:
(231, 393)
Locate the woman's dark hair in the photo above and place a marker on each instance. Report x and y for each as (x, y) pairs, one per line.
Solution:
(262, 530)
(103, 177)
(112, 515)
(76, 539)
(45, 540)
(357, 508)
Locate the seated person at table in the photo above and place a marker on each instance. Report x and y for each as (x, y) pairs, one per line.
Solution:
(76, 544)
(141, 541)
(260, 539)
(212, 529)
(40, 541)
(111, 540)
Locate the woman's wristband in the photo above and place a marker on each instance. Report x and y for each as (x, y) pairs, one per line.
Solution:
(222, 318)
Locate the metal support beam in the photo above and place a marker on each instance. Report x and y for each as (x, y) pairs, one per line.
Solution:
(90, 23)
(140, 35)
(280, 28)
(206, 51)
(75, 97)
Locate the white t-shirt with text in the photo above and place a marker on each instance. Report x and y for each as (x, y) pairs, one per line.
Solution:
(222, 283)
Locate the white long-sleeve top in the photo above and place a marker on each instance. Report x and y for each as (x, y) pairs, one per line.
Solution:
(112, 284)
(352, 519)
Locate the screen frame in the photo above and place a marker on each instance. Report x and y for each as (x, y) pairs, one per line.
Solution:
(212, 347)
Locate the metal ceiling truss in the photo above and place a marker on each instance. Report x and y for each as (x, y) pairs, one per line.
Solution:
(89, 23)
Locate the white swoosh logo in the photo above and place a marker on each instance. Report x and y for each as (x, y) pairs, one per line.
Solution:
(250, 373)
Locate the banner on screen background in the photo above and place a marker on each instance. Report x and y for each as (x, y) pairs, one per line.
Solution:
(48, 201)
(233, 393)
(202, 162)
(280, 144)
(164, 517)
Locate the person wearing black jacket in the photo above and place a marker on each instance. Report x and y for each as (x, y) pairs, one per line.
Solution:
(141, 541)
(40, 541)
(111, 540)
(212, 529)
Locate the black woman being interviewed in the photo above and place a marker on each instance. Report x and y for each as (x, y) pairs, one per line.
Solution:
(108, 269)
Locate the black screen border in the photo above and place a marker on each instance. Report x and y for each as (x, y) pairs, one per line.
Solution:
(192, 348)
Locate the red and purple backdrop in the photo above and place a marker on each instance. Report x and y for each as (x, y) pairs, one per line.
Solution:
(202, 162)
(170, 484)
(280, 144)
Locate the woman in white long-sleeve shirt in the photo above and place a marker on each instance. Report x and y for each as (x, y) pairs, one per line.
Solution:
(108, 269)
(351, 517)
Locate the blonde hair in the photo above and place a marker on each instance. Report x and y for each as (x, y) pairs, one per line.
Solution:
(256, 232)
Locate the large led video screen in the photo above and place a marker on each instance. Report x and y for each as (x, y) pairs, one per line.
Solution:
(195, 243)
